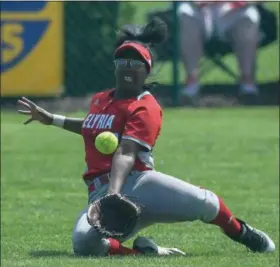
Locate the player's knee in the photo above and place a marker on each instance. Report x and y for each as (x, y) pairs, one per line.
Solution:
(211, 206)
(83, 246)
(187, 10)
(81, 251)
(80, 245)
(207, 205)
(253, 14)
(85, 250)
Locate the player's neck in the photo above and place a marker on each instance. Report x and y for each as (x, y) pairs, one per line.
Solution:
(124, 94)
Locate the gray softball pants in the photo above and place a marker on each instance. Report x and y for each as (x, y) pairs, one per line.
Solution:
(165, 199)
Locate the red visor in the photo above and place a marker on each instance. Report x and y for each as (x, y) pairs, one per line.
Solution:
(142, 50)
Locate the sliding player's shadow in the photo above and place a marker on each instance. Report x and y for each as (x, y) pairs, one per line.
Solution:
(66, 254)
(51, 253)
(62, 254)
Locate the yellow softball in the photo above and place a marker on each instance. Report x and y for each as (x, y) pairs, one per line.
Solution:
(106, 143)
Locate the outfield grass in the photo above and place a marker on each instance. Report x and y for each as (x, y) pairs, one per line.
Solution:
(234, 152)
(268, 57)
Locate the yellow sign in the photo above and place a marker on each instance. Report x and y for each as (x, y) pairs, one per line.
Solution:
(31, 48)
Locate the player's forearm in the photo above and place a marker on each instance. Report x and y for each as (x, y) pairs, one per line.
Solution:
(73, 125)
(121, 167)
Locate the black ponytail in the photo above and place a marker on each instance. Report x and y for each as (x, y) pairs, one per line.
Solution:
(155, 32)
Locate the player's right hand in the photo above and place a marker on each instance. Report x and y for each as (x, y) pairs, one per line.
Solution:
(37, 113)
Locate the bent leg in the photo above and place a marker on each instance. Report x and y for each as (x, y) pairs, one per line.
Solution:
(85, 240)
(166, 199)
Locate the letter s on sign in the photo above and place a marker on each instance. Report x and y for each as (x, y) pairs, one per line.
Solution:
(11, 43)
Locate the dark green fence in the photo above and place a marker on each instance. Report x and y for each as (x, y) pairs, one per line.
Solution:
(90, 31)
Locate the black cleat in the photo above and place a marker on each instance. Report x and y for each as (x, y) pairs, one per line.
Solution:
(254, 239)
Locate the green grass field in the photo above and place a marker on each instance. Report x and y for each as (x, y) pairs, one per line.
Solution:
(233, 152)
(267, 61)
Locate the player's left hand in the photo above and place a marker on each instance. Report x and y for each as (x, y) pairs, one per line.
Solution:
(113, 215)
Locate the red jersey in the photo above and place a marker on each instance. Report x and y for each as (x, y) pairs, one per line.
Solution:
(138, 119)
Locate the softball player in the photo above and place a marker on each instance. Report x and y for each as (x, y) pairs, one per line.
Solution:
(130, 111)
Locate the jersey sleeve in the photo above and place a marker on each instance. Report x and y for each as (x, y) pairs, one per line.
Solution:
(143, 127)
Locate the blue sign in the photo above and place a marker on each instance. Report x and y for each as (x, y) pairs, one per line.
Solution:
(31, 46)
(19, 37)
(22, 6)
